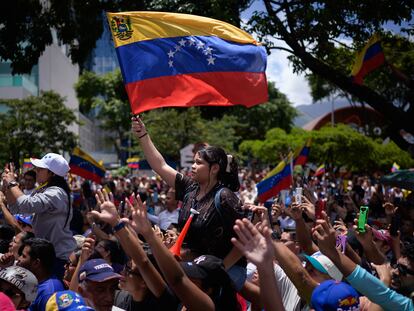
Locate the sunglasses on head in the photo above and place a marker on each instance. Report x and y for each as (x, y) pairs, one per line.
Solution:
(403, 269)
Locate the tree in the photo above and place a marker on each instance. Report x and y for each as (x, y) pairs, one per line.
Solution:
(340, 145)
(34, 126)
(106, 97)
(254, 122)
(29, 26)
(312, 30)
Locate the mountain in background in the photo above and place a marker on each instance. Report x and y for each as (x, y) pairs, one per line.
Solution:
(307, 113)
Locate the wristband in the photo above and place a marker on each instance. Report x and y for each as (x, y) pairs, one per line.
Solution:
(143, 135)
(118, 226)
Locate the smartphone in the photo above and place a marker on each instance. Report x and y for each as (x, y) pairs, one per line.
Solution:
(320, 206)
(363, 218)
(298, 195)
(395, 224)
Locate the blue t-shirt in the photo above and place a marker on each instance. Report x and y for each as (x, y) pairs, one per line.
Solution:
(45, 289)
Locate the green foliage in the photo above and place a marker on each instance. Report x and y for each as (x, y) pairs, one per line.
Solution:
(27, 26)
(255, 121)
(339, 145)
(35, 126)
(121, 171)
(313, 33)
(105, 95)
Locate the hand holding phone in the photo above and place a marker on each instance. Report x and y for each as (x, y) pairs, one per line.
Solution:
(320, 206)
(363, 218)
(298, 195)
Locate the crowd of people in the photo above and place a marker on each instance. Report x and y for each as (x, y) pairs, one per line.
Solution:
(200, 240)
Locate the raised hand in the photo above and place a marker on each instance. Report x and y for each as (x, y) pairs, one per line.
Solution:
(389, 208)
(8, 175)
(340, 226)
(294, 211)
(139, 215)
(308, 207)
(256, 247)
(87, 249)
(138, 127)
(108, 213)
(276, 210)
(365, 238)
(325, 235)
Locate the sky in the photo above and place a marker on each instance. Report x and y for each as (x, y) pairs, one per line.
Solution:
(294, 86)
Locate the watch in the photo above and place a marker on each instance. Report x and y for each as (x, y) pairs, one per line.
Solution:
(12, 184)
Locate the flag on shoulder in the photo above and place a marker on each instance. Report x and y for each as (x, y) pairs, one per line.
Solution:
(84, 165)
(181, 60)
(370, 58)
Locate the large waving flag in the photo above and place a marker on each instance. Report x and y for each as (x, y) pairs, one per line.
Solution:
(84, 165)
(181, 60)
(278, 179)
(370, 58)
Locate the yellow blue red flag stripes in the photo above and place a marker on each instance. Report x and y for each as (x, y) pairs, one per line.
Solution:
(181, 60)
(300, 157)
(278, 179)
(320, 170)
(133, 163)
(84, 165)
(370, 58)
(395, 167)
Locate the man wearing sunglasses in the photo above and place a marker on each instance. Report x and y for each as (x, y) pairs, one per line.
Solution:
(403, 272)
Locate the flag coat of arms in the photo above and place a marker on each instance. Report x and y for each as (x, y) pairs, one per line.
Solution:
(181, 60)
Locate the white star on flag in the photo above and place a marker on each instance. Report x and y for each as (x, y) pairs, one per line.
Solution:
(171, 54)
(191, 42)
(200, 45)
(182, 42)
(170, 63)
(177, 48)
(211, 60)
(208, 51)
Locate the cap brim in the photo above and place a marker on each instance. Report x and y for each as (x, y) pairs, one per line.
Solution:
(316, 264)
(38, 163)
(23, 220)
(102, 277)
(193, 271)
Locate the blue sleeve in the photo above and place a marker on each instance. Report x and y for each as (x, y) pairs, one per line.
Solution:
(378, 292)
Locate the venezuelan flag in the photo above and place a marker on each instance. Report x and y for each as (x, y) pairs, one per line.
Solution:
(133, 163)
(395, 167)
(278, 179)
(181, 60)
(27, 163)
(320, 170)
(84, 165)
(301, 154)
(370, 58)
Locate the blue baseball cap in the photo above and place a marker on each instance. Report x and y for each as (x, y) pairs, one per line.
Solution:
(24, 219)
(97, 270)
(66, 301)
(332, 296)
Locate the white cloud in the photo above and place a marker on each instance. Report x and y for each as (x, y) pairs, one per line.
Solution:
(293, 85)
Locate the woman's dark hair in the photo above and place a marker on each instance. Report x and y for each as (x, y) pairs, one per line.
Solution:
(215, 155)
(59, 181)
(116, 252)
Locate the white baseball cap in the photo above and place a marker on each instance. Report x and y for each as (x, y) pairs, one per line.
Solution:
(323, 264)
(53, 162)
(22, 279)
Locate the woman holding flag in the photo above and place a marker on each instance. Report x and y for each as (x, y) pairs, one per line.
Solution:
(50, 202)
(210, 191)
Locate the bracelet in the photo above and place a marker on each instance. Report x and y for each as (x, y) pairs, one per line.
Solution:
(143, 135)
(118, 226)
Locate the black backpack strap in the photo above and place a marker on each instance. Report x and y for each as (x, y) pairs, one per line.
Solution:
(217, 203)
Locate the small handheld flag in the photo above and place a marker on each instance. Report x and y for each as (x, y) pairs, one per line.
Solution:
(395, 167)
(84, 165)
(181, 60)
